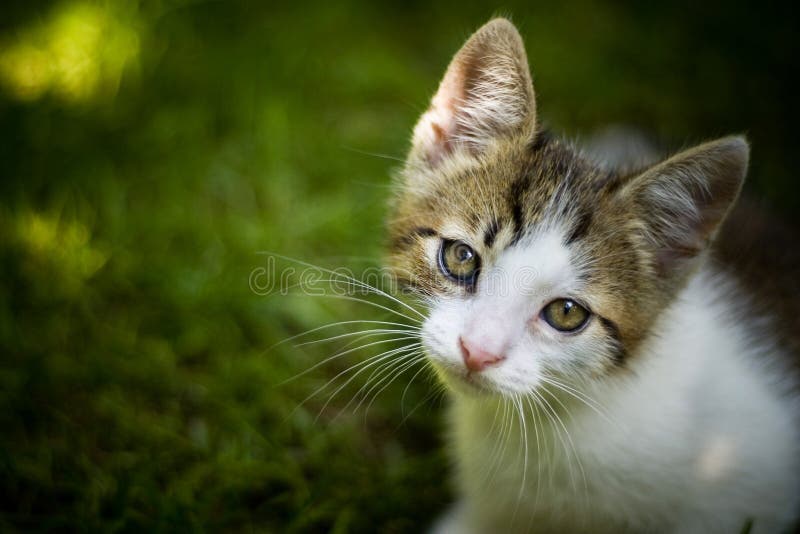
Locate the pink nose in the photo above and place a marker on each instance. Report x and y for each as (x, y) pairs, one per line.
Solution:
(475, 358)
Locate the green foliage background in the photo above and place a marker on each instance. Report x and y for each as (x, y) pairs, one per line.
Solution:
(150, 150)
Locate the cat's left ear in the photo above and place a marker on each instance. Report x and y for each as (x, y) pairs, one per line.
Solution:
(678, 205)
(485, 94)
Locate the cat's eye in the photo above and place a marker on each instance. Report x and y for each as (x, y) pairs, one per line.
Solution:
(565, 315)
(459, 261)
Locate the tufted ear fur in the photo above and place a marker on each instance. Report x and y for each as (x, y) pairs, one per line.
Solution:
(680, 203)
(486, 94)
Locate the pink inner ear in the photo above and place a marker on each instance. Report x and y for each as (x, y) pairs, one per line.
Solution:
(485, 93)
(438, 132)
(435, 133)
(443, 135)
(440, 120)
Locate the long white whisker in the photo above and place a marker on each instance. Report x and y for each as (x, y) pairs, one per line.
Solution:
(361, 370)
(373, 304)
(355, 281)
(506, 433)
(524, 435)
(538, 456)
(494, 464)
(378, 372)
(588, 401)
(405, 390)
(308, 284)
(329, 382)
(438, 389)
(415, 359)
(344, 353)
(370, 332)
(358, 285)
(373, 154)
(332, 325)
(571, 443)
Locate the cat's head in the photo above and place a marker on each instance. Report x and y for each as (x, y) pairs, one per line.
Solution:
(535, 261)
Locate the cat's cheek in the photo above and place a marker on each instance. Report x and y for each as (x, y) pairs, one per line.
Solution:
(523, 369)
(517, 377)
(440, 335)
(586, 353)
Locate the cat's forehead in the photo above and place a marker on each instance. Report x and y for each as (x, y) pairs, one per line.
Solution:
(498, 200)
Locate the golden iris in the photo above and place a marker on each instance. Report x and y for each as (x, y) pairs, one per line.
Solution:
(459, 261)
(565, 315)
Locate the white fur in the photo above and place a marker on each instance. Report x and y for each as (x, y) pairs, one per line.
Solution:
(504, 316)
(698, 434)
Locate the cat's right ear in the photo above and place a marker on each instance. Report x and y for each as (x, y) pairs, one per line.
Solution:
(678, 205)
(486, 94)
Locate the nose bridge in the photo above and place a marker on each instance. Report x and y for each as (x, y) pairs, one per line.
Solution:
(495, 322)
(488, 332)
(503, 303)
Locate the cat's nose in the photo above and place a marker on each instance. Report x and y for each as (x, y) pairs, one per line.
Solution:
(476, 358)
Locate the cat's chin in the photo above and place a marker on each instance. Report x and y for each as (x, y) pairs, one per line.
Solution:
(466, 383)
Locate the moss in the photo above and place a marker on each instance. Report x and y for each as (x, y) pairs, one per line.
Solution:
(138, 369)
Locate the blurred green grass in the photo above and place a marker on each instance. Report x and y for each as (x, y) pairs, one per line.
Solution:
(150, 150)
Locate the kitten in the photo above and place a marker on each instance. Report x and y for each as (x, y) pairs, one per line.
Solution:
(606, 371)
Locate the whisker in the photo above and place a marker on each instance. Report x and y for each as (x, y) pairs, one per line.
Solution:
(438, 389)
(588, 401)
(524, 435)
(338, 275)
(361, 370)
(332, 325)
(535, 423)
(371, 332)
(506, 431)
(307, 285)
(405, 390)
(538, 457)
(340, 354)
(373, 154)
(496, 456)
(377, 372)
(415, 359)
(491, 467)
(572, 444)
(373, 304)
(329, 382)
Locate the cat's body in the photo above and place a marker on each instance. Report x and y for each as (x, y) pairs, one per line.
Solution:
(695, 436)
(607, 372)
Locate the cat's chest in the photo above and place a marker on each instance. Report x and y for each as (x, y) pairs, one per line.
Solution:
(683, 430)
(529, 464)
(546, 449)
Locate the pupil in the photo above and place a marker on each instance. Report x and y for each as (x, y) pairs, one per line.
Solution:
(567, 307)
(463, 254)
